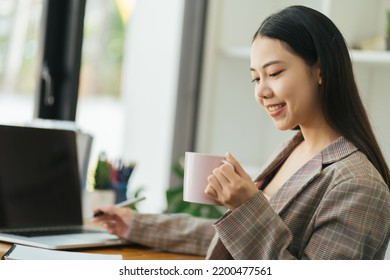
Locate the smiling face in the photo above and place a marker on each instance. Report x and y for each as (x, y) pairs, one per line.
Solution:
(284, 85)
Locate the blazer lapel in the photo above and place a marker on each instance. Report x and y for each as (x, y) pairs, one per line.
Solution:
(296, 183)
(308, 172)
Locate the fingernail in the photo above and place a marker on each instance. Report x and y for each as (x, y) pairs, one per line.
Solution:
(228, 163)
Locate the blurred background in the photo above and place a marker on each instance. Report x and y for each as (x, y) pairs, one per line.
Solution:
(151, 79)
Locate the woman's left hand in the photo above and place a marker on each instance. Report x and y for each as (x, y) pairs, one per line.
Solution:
(230, 184)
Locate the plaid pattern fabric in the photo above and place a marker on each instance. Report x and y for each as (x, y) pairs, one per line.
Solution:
(335, 207)
(172, 232)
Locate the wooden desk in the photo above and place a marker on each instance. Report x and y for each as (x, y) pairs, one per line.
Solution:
(128, 252)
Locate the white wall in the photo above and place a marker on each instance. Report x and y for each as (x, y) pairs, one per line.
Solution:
(151, 67)
(246, 130)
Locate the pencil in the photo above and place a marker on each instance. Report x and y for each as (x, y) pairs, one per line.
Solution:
(129, 202)
(125, 203)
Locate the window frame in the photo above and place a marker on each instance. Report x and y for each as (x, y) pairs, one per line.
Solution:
(59, 59)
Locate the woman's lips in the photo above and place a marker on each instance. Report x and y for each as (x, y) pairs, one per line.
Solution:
(276, 109)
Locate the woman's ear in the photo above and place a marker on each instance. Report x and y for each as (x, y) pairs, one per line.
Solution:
(317, 72)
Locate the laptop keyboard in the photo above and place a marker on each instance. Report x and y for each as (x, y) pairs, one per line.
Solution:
(49, 231)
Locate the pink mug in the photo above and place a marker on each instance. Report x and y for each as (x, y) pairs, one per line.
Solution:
(197, 167)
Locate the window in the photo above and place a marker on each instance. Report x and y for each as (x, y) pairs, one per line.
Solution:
(19, 39)
(99, 109)
(104, 35)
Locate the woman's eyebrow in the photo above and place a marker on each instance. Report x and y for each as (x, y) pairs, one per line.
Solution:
(269, 64)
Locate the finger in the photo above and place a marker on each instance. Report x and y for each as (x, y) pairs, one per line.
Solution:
(229, 173)
(102, 211)
(103, 220)
(224, 161)
(210, 191)
(111, 228)
(213, 181)
(237, 166)
(222, 174)
(100, 217)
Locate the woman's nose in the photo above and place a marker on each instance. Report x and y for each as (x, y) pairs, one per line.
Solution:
(263, 92)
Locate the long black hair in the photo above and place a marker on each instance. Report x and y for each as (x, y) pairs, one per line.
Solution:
(315, 38)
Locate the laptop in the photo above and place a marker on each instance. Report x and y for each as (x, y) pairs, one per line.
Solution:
(40, 192)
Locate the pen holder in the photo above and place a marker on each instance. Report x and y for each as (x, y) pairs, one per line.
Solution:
(120, 189)
(113, 176)
(95, 199)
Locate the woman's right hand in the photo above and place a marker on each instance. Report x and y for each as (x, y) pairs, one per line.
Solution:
(115, 219)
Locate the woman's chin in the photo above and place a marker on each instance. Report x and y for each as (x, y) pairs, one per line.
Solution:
(284, 127)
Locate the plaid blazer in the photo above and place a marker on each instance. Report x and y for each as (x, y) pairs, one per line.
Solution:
(336, 206)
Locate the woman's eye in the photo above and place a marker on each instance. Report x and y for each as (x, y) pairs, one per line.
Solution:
(255, 80)
(274, 74)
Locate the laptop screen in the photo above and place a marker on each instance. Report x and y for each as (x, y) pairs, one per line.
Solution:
(39, 178)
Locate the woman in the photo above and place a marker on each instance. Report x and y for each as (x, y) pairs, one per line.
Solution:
(324, 196)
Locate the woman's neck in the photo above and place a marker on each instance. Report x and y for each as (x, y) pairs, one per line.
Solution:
(317, 138)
